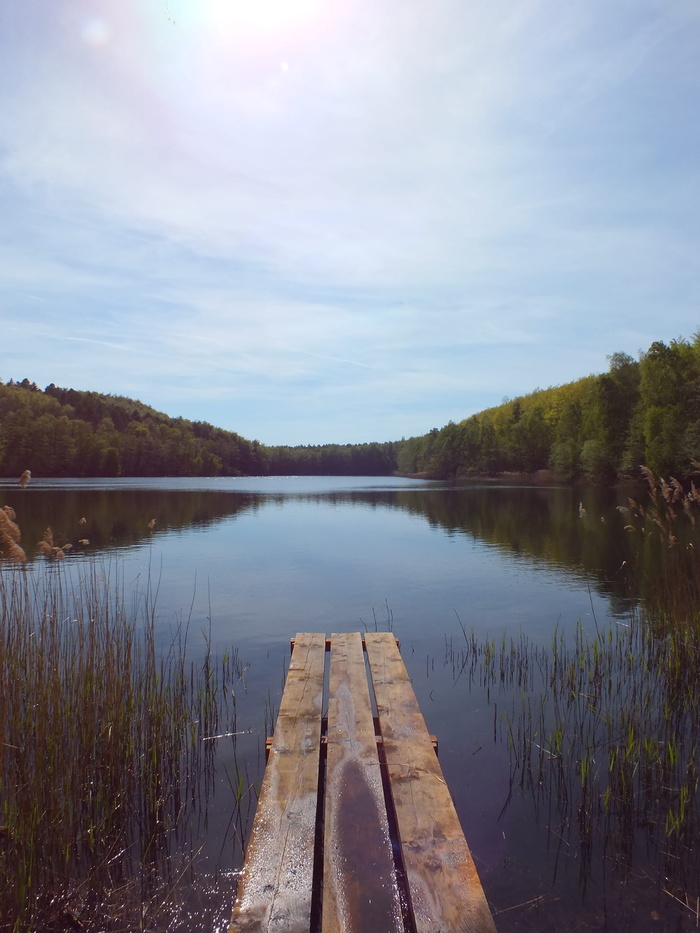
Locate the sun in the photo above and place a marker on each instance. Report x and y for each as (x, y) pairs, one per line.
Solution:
(261, 16)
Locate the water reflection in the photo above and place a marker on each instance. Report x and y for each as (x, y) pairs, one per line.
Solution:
(545, 527)
(250, 562)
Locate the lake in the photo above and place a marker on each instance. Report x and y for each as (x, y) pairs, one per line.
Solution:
(246, 563)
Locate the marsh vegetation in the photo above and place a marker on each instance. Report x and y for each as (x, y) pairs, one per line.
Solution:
(112, 775)
(107, 755)
(603, 729)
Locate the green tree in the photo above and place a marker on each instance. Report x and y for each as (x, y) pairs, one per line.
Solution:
(669, 380)
(595, 462)
(111, 462)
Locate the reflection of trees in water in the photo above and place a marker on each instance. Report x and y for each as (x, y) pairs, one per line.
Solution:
(540, 525)
(591, 539)
(119, 517)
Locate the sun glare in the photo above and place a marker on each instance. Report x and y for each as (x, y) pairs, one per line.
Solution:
(261, 16)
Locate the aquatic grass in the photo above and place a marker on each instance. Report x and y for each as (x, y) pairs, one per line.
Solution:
(105, 767)
(664, 527)
(602, 729)
(603, 734)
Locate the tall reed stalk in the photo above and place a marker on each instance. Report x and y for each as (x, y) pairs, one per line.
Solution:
(603, 736)
(665, 528)
(103, 758)
(603, 726)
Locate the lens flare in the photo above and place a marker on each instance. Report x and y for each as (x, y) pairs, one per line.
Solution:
(95, 31)
(252, 18)
(260, 16)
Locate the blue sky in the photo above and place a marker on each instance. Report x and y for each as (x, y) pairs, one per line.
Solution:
(315, 221)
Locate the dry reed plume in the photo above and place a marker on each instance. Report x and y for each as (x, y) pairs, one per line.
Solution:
(668, 552)
(49, 549)
(10, 537)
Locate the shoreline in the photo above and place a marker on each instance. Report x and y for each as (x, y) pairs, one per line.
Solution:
(536, 478)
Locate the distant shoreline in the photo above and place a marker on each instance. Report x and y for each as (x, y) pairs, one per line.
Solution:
(514, 478)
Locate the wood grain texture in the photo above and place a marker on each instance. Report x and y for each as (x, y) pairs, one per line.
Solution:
(274, 893)
(445, 891)
(360, 892)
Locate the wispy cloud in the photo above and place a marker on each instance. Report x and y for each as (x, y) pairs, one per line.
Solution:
(372, 219)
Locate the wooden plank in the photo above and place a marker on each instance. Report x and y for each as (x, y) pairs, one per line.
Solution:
(445, 891)
(274, 893)
(328, 644)
(360, 892)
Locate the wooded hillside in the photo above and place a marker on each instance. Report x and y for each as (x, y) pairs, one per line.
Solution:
(63, 432)
(602, 428)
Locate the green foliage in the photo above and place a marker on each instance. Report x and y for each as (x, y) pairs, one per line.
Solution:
(669, 390)
(595, 462)
(332, 460)
(600, 428)
(63, 432)
(565, 459)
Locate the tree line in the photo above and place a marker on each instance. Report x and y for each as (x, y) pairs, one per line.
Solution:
(600, 428)
(66, 432)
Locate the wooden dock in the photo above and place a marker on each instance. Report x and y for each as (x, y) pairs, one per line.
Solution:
(355, 829)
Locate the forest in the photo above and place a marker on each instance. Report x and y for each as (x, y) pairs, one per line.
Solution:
(600, 428)
(64, 432)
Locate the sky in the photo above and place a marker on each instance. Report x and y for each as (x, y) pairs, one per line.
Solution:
(339, 221)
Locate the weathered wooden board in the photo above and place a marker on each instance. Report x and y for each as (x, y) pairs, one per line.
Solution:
(445, 891)
(274, 893)
(360, 892)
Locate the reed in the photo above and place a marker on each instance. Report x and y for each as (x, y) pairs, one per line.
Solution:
(664, 527)
(602, 733)
(10, 537)
(602, 728)
(105, 766)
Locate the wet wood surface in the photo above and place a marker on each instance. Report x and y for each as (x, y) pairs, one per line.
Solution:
(275, 890)
(445, 890)
(348, 819)
(360, 892)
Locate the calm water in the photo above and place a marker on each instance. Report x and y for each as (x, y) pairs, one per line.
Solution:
(252, 561)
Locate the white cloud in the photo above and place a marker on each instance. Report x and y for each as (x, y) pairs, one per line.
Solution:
(434, 205)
